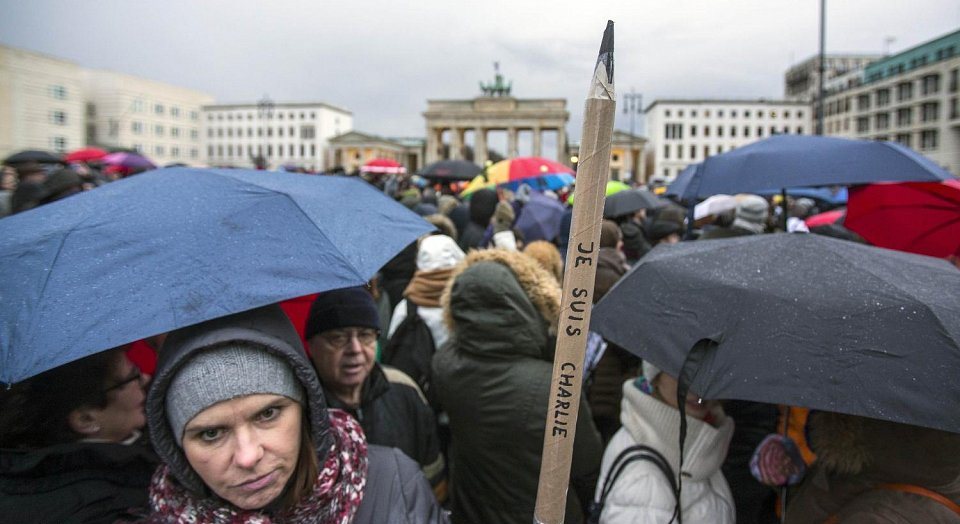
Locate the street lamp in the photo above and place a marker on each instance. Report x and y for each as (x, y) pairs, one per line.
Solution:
(633, 106)
(574, 160)
(265, 112)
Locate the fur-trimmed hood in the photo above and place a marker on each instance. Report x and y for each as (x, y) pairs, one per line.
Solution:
(495, 296)
(886, 451)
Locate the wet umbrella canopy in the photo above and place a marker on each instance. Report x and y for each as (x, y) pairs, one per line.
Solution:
(629, 202)
(797, 319)
(178, 246)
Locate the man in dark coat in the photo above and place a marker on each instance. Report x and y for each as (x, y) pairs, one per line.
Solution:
(483, 203)
(493, 377)
(342, 330)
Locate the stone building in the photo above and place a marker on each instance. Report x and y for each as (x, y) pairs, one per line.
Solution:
(157, 119)
(354, 149)
(41, 102)
(271, 135)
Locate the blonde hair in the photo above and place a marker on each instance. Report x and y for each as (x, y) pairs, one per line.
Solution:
(547, 255)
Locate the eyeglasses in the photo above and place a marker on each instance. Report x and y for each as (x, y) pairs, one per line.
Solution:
(134, 375)
(339, 339)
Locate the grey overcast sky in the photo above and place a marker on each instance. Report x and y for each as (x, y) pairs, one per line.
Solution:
(383, 59)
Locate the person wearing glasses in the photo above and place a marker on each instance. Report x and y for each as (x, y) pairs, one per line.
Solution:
(342, 330)
(72, 445)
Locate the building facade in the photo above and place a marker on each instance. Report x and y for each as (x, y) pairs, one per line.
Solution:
(802, 81)
(353, 149)
(912, 97)
(271, 135)
(627, 157)
(41, 102)
(684, 132)
(160, 120)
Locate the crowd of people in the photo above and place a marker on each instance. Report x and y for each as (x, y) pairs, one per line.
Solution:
(421, 397)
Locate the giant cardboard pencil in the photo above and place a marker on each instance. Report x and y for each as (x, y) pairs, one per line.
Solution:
(577, 300)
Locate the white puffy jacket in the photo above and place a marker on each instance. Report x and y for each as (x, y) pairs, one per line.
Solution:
(642, 494)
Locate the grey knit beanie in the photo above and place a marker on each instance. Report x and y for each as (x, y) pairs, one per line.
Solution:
(225, 373)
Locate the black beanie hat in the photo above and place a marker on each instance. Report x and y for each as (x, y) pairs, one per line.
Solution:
(349, 307)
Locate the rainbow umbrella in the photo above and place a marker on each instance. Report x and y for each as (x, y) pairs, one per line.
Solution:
(539, 173)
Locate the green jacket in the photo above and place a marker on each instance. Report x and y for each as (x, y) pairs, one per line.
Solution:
(493, 379)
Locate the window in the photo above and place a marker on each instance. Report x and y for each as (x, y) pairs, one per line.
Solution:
(307, 132)
(954, 109)
(720, 113)
(313, 150)
(863, 102)
(679, 152)
(136, 127)
(706, 130)
(175, 113)
(930, 112)
(158, 130)
(666, 151)
(280, 116)
(706, 113)
(58, 92)
(733, 113)
(759, 131)
(680, 113)
(799, 114)
(58, 118)
(928, 139)
(229, 150)
(158, 109)
(230, 117)
(863, 124)
(209, 133)
(293, 132)
(194, 134)
(220, 133)
(759, 114)
(210, 153)
(954, 80)
(773, 114)
(303, 148)
(269, 150)
(786, 130)
(904, 116)
(719, 130)
(159, 151)
(313, 115)
(773, 130)
(904, 138)
(269, 131)
(666, 113)
(706, 152)
(301, 115)
(673, 131)
(279, 131)
(175, 152)
(883, 121)
(58, 143)
(746, 131)
(799, 130)
(904, 91)
(175, 132)
(693, 155)
(194, 115)
(193, 152)
(230, 132)
(220, 151)
(719, 149)
(259, 131)
(693, 113)
(786, 114)
(733, 131)
(931, 84)
(138, 148)
(137, 105)
(746, 113)
(883, 97)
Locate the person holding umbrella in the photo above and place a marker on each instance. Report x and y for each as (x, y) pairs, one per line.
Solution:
(239, 418)
(72, 446)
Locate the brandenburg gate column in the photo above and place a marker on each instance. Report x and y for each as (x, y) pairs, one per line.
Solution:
(456, 143)
(480, 146)
(432, 144)
(512, 150)
(562, 145)
(537, 150)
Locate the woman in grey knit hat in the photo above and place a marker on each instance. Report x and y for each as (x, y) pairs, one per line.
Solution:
(239, 419)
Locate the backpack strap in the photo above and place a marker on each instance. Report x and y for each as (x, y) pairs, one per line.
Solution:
(627, 456)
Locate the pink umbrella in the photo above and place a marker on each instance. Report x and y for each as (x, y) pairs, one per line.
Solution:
(129, 161)
(383, 165)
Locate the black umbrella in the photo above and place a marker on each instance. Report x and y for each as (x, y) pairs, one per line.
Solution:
(801, 320)
(31, 155)
(629, 202)
(451, 170)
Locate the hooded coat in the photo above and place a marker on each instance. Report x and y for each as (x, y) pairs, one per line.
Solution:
(493, 378)
(856, 455)
(642, 494)
(483, 203)
(393, 481)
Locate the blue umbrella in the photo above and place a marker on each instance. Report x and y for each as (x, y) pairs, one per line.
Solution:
(178, 246)
(826, 195)
(540, 218)
(785, 161)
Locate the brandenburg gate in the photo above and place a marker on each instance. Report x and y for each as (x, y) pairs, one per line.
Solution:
(495, 110)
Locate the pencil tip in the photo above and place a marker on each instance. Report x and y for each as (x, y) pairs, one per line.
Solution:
(606, 51)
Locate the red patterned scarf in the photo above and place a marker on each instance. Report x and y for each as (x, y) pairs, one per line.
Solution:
(335, 497)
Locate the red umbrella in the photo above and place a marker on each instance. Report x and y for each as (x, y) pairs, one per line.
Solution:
(828, 217)
(383, 165)
(917, 217)
(87, 154)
